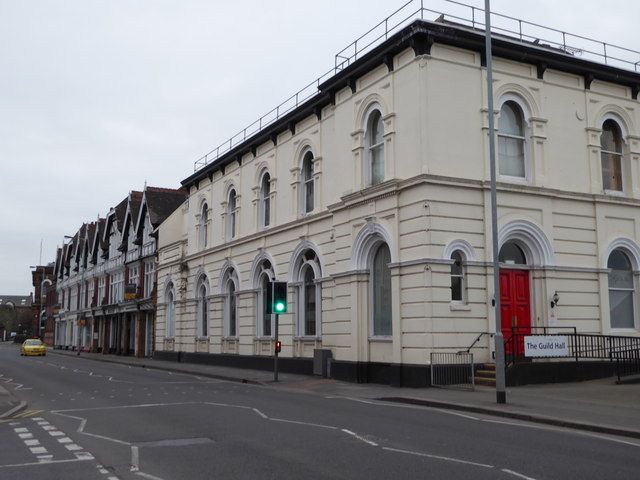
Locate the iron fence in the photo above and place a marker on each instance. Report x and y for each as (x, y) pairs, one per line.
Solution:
(452, 370)
(627, 362)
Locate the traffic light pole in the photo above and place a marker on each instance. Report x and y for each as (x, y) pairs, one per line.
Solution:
(275, 352)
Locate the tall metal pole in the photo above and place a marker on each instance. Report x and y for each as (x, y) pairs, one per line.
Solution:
(501, 394)
(275, 352)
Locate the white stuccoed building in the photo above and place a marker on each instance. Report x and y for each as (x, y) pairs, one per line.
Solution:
(371, 198)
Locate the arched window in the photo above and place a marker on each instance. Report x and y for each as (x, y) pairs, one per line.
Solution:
(264, 318)
(204, 225)
(375, 148)
(170, 312)
(265, 201)
(511, 140)
(611, 156)
(231, 215)
(458, 286)
(308, 187)
(621, 290)
(230, 288)
(202, 293)
(310, 303)
(512, 254)
(381, 290)
(309, 295)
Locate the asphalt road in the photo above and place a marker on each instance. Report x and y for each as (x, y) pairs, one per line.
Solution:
(92, 420)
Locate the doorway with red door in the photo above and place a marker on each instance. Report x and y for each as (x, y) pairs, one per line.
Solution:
(515, 298)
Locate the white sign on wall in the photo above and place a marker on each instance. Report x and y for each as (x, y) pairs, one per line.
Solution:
(546, 346)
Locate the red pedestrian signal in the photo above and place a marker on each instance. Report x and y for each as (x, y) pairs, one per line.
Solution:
(278, 346)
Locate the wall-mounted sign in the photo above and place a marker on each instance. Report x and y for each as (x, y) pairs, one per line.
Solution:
(130, 291)
(546, 346)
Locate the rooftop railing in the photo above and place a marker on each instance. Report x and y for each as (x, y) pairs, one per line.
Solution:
(462, 14)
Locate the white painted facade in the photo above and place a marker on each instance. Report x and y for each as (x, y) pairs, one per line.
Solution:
(433, 201)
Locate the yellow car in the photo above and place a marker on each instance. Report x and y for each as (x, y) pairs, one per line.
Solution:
(33, 346)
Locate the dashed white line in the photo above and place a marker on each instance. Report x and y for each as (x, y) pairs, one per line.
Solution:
(516, 474)
(359, 437)
(438, 457)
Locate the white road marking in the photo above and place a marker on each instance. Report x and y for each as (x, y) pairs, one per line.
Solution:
(32, 443)
(73, 447)
(84, 456)
(438, 457)
(135, 459)
(359, 437)
(56, 433)
(25, 435)
(38, 450)
(516, 474)
(20, 430)
(146, 475)
(48, 427)
(260, 413)
(29, 464)
(65, 440)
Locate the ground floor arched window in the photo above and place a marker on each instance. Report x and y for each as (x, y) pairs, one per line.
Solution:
(380, 284)
(621, 290)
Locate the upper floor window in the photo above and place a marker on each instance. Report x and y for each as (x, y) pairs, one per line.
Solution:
(149, 278)
(265, 201)
(231, 214)
(511, 141)
(621, 290)
(611, 156)
(204, 222)
(457, 277)
(308, 182)
(375, 148)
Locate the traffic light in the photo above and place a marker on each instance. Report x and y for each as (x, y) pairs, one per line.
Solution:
(279, 297)
(278, 346)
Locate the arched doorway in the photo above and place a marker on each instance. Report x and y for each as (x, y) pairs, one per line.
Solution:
(515, 296)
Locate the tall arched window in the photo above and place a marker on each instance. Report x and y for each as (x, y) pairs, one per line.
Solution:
(611, 156)
(264, 318)
(308, 187)
(621, 290)
(231, 215)
(458, 286)
(375, 148)
(230, 288)
(265, 201)
(381, 291)
(204, 225)
(310, 303)
(170, 312)
(511, 140)
(309, 295)
(202, 307)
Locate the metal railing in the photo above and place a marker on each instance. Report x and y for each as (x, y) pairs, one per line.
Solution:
(458, 13)
(627, 362)
(452, 370)
(585, 346)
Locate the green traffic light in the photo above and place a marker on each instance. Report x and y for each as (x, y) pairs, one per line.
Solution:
(279, 307)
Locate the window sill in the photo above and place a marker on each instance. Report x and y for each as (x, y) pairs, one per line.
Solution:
(459, 307)
(516, 180)
(381, 339)
(614, 193)
(264, 339)
(307, 339)
(230, 339)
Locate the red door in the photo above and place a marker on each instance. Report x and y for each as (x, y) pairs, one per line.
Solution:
(515, 308)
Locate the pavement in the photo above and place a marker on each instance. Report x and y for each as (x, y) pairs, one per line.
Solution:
(597, 406)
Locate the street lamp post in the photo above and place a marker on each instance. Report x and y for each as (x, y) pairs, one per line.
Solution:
(501, 395)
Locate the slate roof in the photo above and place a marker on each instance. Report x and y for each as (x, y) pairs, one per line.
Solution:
(162, 202)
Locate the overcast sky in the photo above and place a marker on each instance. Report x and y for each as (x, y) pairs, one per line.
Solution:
(97, 97)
